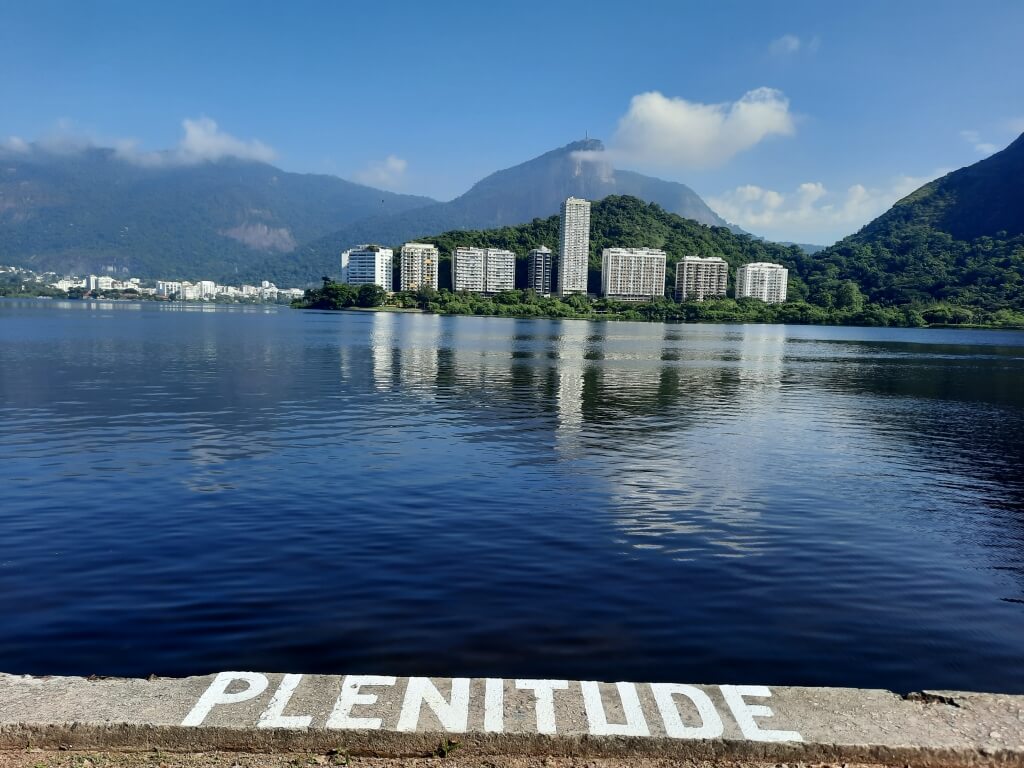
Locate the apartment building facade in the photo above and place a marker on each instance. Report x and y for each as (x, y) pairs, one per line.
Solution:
(540, 264)
(699, 278)
(762, 280)
(419, 266)
(573, 246)
(483, 270)
(367, 265)
(632, 274)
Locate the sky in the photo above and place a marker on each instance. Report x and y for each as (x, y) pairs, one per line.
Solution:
(797, 120)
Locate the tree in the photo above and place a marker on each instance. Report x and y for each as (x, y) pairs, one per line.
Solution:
(370, 295)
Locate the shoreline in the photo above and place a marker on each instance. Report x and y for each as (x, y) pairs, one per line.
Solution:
(619, 319)
(377, 716)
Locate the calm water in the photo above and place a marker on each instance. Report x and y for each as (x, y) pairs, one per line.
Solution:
(185, 490)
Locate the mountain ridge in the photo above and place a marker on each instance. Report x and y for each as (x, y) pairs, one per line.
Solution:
(957, 239)
(93, 210)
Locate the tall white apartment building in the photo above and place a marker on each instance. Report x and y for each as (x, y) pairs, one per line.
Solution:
(762, 280)
(207, 289)
(366, 265)
(418, 266)
(500, 267)
(539, 264)
(468, 269)
(483, 270)
(573, 246)
(701, 278)
(632, 274)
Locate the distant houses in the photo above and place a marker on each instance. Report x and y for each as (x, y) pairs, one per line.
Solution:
(627, 274)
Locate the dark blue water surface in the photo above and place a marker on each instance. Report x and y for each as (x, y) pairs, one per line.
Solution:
(190, 489)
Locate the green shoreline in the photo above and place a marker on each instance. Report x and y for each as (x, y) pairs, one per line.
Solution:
(527, 304)
(614, 317)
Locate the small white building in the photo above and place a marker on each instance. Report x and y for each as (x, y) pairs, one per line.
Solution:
(632, 274)
(367, 265)
(762, 280)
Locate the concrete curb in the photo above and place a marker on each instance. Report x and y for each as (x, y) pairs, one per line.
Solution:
(380, 716)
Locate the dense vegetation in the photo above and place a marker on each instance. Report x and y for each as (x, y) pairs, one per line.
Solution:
(903, 273)
(528, 304)
(958, 240)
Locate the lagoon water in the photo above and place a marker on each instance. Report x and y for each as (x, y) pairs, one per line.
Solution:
(192, 489)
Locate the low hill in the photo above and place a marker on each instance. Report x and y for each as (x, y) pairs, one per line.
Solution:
(958, 239)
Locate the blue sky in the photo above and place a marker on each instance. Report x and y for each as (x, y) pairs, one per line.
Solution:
(797, 120)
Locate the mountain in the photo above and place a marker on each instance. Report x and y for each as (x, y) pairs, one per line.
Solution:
(93, 211)
(514, 195)
(958, 239)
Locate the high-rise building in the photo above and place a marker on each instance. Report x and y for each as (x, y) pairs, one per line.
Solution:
(573, 246)
(367, 265)
(701, 278)
(483, 270)
(419, 266)
(762, 280)
(468, 269)
(500, 267)
(539, 263)
(632, 274)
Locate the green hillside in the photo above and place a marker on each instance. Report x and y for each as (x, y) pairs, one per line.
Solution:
(957, 240)
(625, 222)
(828, 287)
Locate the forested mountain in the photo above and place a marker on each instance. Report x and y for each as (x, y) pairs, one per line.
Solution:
(519, 194)
(958, 239)
(91, 210)
(87, 210)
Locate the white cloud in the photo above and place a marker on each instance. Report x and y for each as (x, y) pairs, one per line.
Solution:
(790, 44)
(203, 141)
(660, 132)
(786, 44)
(973, 138)
(15, 144)
(388, 173)
(811, 213)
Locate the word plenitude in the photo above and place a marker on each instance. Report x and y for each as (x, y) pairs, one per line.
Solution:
(374, 702)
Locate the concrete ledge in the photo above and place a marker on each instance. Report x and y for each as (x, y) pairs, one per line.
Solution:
(380, 716)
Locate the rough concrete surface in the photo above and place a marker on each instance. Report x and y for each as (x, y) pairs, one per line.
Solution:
(37, 758)
(479, 720)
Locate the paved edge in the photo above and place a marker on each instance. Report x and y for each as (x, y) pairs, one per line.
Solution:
(837, 725)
